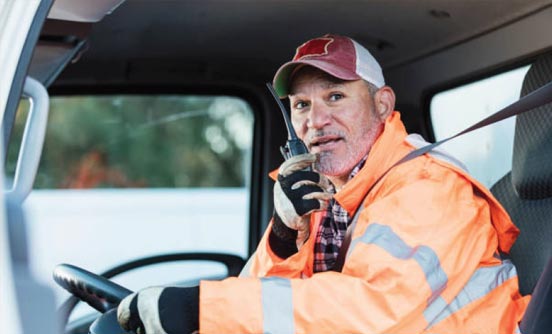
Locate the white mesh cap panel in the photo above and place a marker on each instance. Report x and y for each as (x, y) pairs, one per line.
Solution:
(367, 66)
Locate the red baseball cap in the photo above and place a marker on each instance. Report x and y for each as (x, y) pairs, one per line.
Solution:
(336, 55)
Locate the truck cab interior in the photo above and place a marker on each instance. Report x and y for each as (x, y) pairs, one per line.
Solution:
(146, 70)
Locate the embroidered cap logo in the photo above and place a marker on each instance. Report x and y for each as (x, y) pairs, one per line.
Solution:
(313, 48)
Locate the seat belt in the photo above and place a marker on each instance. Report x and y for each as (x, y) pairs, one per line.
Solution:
(530, 101)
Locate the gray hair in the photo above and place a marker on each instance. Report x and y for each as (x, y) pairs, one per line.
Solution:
(373, 89)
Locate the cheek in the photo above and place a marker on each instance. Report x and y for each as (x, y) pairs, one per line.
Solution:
(369, 116)
(359, 126)
(350, 122)
(299, 126)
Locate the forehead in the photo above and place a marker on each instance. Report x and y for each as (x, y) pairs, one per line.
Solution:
(312, 76)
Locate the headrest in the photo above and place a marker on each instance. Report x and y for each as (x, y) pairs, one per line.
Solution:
(532, 160)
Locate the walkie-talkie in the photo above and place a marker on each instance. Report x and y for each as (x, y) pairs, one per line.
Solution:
(294, 145)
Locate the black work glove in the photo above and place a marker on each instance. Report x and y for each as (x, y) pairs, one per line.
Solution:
(160, 310)
(297, 193)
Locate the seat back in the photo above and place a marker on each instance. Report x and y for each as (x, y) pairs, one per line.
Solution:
(526, 193)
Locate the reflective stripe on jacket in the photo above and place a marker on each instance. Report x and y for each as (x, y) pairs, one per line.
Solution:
(423, 260)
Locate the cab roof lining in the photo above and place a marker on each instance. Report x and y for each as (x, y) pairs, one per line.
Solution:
(397, 31)
(205, 40)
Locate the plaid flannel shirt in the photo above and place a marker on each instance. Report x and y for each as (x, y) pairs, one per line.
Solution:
(331, 231)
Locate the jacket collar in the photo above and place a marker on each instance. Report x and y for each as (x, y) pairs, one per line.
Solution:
(387, 149)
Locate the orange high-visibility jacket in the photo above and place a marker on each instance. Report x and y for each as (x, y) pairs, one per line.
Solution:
(423, 259)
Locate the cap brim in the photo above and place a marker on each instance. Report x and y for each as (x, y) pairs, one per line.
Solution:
(282, 76)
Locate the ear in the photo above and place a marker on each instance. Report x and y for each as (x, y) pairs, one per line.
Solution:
(384, 100)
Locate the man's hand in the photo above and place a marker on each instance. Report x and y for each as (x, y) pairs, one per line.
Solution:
(298, 193)
(160, 310)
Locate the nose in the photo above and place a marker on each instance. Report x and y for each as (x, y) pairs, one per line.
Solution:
(318, 116)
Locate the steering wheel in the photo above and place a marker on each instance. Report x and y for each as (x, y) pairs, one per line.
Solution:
(95, 290)
(105, 295)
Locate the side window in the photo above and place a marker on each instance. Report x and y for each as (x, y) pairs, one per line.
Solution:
(486, 152)
(127, 176)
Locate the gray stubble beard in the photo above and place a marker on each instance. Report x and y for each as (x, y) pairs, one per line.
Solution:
(327, 165)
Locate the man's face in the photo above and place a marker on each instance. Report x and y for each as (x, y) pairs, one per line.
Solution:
(336, 120)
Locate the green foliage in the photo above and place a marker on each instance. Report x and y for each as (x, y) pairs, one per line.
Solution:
(144, 141)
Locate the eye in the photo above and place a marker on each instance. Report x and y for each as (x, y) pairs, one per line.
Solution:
(336, 96)
(300, 105)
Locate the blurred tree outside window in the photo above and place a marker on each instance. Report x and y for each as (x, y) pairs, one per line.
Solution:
(139, 141)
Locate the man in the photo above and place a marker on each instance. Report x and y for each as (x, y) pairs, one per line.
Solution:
(425, 250)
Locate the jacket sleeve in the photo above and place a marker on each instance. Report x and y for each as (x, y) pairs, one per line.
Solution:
(264, 262)
(415, 248)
